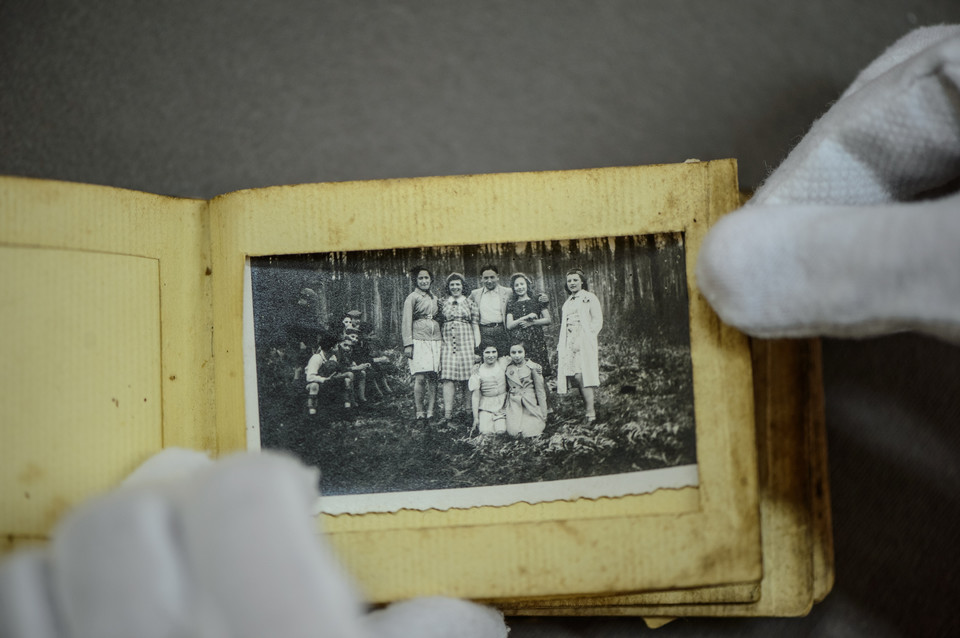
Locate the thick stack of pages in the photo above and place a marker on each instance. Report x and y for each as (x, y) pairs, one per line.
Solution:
(608, 447)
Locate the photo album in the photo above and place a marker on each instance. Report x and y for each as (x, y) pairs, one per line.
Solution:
(511, 384)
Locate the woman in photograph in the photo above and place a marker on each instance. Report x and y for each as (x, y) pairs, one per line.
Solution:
(577, 352)
(526, 316)
(461, 338)
(422, 341)
(526, 408)
(488, 387)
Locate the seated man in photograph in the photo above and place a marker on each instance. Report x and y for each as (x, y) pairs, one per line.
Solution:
(318, 371)
(345, 365)
(333, 366)
(366, 350)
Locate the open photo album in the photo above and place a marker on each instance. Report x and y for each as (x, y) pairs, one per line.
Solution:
(511, 384)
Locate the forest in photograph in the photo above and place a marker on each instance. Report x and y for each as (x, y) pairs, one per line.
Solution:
(645, 414)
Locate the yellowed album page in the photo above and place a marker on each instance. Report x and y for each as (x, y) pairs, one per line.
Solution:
(647, 539)
(797, 540)
(823, 557)
(105, 336)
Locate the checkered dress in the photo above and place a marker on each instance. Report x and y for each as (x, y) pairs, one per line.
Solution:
(456, 353)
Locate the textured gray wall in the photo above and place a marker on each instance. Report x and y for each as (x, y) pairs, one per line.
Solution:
(201, 98)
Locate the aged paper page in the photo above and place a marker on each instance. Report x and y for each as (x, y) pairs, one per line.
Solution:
(788, 379)
(688, 537)
(106, 330)
(823, 557)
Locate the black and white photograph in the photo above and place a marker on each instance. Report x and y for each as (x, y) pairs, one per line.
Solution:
(562, 367)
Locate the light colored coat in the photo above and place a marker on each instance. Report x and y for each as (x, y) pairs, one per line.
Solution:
(591, 319)
(526, 405)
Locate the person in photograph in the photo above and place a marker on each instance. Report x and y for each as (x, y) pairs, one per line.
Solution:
(526, 407)
(319, 371)
(365, 351)
(488, 388)
(526, 317)
(340, 326)
(577, 350)
(347, 368)
(491, 298)
(422, 341)
(302, 323)
(461, 338)
(298, 334)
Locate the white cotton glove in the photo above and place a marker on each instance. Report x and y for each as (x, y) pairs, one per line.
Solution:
(837, 241)
(188, 547)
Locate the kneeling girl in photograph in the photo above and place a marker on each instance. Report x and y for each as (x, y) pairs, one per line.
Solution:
(488, 386)
(527, 395)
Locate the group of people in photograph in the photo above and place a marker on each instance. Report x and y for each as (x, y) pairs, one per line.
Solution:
(490, 344)
(486, 344)
(345, 359)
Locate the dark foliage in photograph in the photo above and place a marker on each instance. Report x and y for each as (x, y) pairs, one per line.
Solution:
(645, 421)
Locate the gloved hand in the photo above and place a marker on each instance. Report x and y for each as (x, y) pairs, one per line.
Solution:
(855, 234)
(188, 547)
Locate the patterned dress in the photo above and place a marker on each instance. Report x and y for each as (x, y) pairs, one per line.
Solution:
(532, 336)
(460, 314)
(526, 406)
(491, 384)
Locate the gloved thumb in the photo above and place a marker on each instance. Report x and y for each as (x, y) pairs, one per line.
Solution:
(893, 136)
(803, 270)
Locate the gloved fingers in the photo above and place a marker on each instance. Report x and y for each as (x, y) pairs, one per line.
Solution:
(25, 602)
(436, 617)
(229, 550)
(894, 135)
(168, 466)
(792, 271)
(250, 544)
(117, 570)
(113, 568)
(900, 51)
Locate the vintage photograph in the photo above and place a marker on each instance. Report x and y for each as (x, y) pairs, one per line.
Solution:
(444, 368)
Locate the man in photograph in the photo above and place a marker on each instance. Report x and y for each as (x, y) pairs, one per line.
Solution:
(492, 300)
(319, 371)
(343, 365)
(366, 350)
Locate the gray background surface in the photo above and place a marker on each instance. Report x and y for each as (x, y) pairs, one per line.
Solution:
(201, 98)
